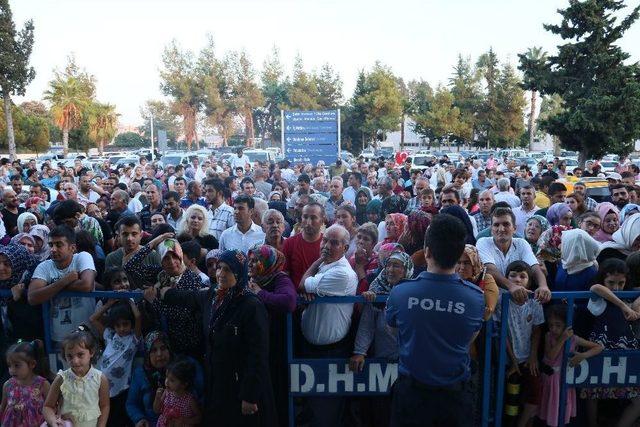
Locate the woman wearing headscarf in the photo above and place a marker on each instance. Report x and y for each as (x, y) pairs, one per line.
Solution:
(560, 214)
(394, 226)
(534, 227)
(626, 240)
(180, 323)
(211, 262)
(24, 239)
(277, 292)
(40, 234)
(579, 268)
(374, 211)
(19, 318)
(235, 325)
(462, 215)
(26, 220)
(363, 197)
(413, 238)
(628, 210)
(471, 269)
(610, 221)
(146, 379)
(373, 328)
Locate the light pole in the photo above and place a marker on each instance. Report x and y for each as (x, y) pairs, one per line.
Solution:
(152, 146)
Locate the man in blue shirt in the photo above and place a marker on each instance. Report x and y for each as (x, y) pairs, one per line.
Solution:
(438, 315)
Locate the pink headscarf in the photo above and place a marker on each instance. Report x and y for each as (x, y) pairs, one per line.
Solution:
(400, 220)
(603, 210)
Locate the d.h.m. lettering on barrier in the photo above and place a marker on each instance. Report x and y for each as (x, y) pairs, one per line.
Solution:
(620, 368)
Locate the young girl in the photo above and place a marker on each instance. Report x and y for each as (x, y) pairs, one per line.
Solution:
(116, 279)
(525, 328)
(612, 330)
(24, 393)
(121, 340)
(554, 342)
(78, 396)
(175, 404)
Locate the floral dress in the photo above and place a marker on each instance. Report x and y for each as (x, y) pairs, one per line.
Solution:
(174, 406)
(24, 403)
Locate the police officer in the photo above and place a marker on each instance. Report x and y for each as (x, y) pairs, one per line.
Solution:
(438, 315)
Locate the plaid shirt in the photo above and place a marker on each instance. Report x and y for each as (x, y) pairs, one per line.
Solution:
(221, 219)
(590, 204)
(482, 222)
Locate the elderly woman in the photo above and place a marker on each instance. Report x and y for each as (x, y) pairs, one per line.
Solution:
(235, 324)
(560, 214)
(26, 220)
(471, 269)
(196, 226)
(364, 261)
(24, 239)
(20, 319)
(373, 328)
(181, 324)
(394, 225)
(610, 221)
(40, 234)
(413, 237)
(277, 292)
(626, 240)
(146, 379)
(535, 226)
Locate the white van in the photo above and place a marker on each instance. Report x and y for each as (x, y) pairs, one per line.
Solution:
(512, 153)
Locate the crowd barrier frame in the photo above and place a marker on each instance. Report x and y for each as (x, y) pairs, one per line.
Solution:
(491, 332)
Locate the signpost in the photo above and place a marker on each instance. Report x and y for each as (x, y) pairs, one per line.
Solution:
(310, 136)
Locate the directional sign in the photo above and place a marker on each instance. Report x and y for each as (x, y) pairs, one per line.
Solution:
(310, 136)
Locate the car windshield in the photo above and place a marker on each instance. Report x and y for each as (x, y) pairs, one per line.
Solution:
(420, 160)
(171, 160)
(257, 157)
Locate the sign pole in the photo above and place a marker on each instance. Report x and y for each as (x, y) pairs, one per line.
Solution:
(282, 133)
(152, 150)
(339, 139)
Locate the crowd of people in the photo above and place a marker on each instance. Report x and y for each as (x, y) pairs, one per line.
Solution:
(221, 252)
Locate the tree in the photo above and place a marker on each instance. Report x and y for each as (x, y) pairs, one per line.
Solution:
(329, 86)
(420, 97)
(532, 63)
(467, 95)
(488, 118)
(274, 91)
(381, 102)
(163, 118)
(303, 92)
(130, 140)
(353, 116)
(103, 123)
(70, 94)
(15, 72)
(510, 102)
(601, 93)
(181, 81)
(31, 131)
(246, 93)
(442, 119)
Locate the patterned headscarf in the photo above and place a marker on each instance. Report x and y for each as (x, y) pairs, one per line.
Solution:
(214, 254)
(15, 240)
(154, 376)
(400, 221)
(270, 262)
(418, 221)
(624, 212)
(237, 263)
(549, 243)
(41, 232)
(477, 267)
(381, 286)
(375, 206)
(21, 260)
(556, 212)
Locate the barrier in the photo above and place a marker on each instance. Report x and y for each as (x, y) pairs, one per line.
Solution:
(332, 377)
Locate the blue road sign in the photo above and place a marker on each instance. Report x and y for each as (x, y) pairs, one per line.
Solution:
(310, 136)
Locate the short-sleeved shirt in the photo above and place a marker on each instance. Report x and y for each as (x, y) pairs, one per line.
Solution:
(117, 360)
(522, 319)
(67, 313)
(436, 316)
(520, 250)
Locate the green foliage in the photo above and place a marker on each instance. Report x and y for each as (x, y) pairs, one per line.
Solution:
(511, 103)
(274, 90)
(467, 96)
(163, 118)
(31, 131)
(303, 91)
(131, 140)
(329, 87)
(601, 92)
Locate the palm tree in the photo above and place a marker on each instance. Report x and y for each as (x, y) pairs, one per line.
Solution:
(69, 98)
(532, 63)
(103, 121)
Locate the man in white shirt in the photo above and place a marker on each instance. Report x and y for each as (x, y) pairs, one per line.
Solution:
(245, 233)
(326, 326)
(527, 209)
(498, 251)
(504, 195)
(173, 211)
(65, 271)
(355, 185)
(239, 160)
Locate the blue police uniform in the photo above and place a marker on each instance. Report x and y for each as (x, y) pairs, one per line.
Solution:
(436, 316)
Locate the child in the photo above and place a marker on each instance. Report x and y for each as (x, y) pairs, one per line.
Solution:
(612, 330)
(24, 393)
(525, 328)
(175, 404)
(426, 197)
(116, 279)
(192, 255)
(554, 342)
(80, 395)
(121, 341)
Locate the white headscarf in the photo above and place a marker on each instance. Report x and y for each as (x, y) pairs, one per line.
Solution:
(579, 250)
(625, 236)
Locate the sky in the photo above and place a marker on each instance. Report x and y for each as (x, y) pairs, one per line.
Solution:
(120, 42)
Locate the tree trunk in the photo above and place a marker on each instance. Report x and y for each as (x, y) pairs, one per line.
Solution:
(532, 119)
(248, 122)
(556, 146)
(583, 156)
(65, 140)
(9, 120)
(101, 147)
(402, 134)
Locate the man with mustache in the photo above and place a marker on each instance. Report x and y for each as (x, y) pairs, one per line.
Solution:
(273, 225)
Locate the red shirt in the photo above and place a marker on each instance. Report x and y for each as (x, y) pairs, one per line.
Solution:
(299, 255)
